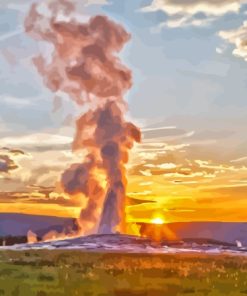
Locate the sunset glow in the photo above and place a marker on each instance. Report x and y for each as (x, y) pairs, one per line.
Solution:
(158, 221)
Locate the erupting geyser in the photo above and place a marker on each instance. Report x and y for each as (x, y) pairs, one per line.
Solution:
(83, 65)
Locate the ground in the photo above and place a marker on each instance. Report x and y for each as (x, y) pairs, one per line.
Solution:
(71, 272)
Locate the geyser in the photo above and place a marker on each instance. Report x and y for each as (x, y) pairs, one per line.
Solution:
(83, 64)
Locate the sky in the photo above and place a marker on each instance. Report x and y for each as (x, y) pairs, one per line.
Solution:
(189, 63)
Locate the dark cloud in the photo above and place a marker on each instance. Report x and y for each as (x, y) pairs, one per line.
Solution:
(14, 152)
(7, 164)
(38, 197)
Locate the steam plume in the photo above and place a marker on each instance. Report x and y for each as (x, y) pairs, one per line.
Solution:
(84, 65)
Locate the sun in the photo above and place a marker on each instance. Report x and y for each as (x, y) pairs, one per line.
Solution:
(158, 220)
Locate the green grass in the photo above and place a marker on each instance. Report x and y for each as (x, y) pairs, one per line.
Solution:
(44, 272)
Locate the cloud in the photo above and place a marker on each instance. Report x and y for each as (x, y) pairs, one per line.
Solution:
(241, 159)
(239, 190)
(42, 167)
(38, 142)
(162, 132)
(16, 5)
(187, 21)
(95, 2)
(160, 147)
(213, 135)
(15, 102)
(211, 7)
(13, 152)
(158, 128)
(164, 166)
(9, 35)
(237, 37)
(146, 173)
(193, 12)
(40, 196)
(6, 164)
(217, 167)
(179, 165)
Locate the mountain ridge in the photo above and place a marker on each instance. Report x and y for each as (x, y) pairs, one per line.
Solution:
(12, 224)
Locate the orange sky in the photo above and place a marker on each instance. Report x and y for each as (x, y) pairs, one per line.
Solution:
(166, 183)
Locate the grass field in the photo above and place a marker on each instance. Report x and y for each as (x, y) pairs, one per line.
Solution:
(44, 272)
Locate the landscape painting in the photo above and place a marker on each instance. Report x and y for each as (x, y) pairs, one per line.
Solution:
(123, 147)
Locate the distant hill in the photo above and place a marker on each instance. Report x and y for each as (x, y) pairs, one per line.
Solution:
(17, 225)
(20, 224)
(228, 232)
